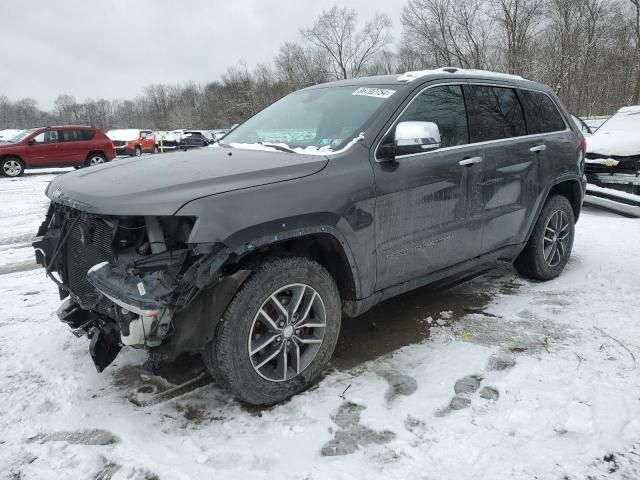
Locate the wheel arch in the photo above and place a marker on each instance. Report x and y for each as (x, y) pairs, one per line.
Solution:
(572, 190)
(325, 246)
(93, 152)
(569, 186)
(14, 155)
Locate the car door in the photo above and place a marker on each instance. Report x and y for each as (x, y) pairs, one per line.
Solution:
(44, 149)
(147, 141)
(426, 217)
(509, 169)
(73, 147)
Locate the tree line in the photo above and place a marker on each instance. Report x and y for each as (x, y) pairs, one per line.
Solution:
(588, 51)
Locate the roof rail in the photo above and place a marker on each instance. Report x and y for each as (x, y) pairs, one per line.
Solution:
(410, 76)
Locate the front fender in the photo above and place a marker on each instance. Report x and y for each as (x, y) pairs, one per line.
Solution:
(339, 201)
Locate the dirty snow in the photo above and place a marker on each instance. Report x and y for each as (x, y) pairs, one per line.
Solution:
(540, 382)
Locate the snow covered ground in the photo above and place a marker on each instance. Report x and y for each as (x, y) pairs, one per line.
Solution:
(540, 381)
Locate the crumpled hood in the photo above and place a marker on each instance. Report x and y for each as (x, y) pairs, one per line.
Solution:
(619, 144)
(161, 184)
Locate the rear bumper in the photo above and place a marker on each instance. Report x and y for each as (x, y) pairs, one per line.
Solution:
(124, 151)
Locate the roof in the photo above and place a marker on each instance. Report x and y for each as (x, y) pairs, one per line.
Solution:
(69, 126)
(408, 77)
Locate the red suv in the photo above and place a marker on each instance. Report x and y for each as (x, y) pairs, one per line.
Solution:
(65, 146)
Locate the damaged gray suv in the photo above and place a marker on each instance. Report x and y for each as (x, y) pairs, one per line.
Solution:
(327, 202)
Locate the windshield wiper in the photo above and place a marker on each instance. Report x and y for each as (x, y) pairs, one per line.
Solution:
(278, 146)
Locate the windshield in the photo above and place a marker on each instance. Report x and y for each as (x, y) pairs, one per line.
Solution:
(325, 119)
(22, 135)
(626, 120)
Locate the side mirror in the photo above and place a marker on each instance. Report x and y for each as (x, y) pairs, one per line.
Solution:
(416, 137)
(31, 142)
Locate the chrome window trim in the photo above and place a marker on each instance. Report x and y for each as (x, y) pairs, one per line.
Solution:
(470, 144)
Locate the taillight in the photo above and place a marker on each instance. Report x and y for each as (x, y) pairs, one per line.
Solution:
(583, 144)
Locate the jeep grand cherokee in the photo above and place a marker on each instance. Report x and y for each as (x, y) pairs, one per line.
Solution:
(327, 202)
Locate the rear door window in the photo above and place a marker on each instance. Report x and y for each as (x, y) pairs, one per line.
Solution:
(494, 113)
(541, 112)
(87, 134)
(70, 135)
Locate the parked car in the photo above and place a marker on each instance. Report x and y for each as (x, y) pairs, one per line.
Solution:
(219, 134)
(8, 134)
(251, 252)
(195, 139)
(133, 142)
(169, 140)
(64, 146)
(613, 152)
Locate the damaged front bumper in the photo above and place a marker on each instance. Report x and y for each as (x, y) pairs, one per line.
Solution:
(125, 281)
(621, 173)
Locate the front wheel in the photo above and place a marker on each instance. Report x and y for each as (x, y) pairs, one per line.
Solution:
(11, 167)
(279, 332)
(551, 241)
(138, 152)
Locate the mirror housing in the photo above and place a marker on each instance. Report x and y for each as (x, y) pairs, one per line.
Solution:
(422, 136)
(31, 142)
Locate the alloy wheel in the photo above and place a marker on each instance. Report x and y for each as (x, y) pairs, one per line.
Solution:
(12, 168)
(555, 239)
(96, 160)
(287, 332)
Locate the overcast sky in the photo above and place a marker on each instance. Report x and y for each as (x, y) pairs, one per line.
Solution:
(113, 48)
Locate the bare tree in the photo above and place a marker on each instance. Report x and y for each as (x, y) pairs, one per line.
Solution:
(636, 31)
(300, 67)
(350, 50)
(452, 33)
(517, 21)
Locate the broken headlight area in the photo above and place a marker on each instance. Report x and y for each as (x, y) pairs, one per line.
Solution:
(621, 173)
(123, 278)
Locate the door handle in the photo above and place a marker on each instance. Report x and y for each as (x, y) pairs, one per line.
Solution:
(469, 161)
(538, 148)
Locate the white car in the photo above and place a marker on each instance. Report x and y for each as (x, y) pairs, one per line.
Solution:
(170, 140)
(613, 152)
(6, 135)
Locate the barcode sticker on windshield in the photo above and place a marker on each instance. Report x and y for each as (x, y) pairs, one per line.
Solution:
(374, 92)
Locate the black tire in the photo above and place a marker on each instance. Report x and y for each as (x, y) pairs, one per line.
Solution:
(11, 167)
(137, 152)
(228, 356)
(94, 159)
(532, 261)
(155, 149)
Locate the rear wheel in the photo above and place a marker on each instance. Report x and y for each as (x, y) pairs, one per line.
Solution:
(138, 151)
(155, 149)
(278, 333)
(95, 159)
(11, 167)
(551, 241)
